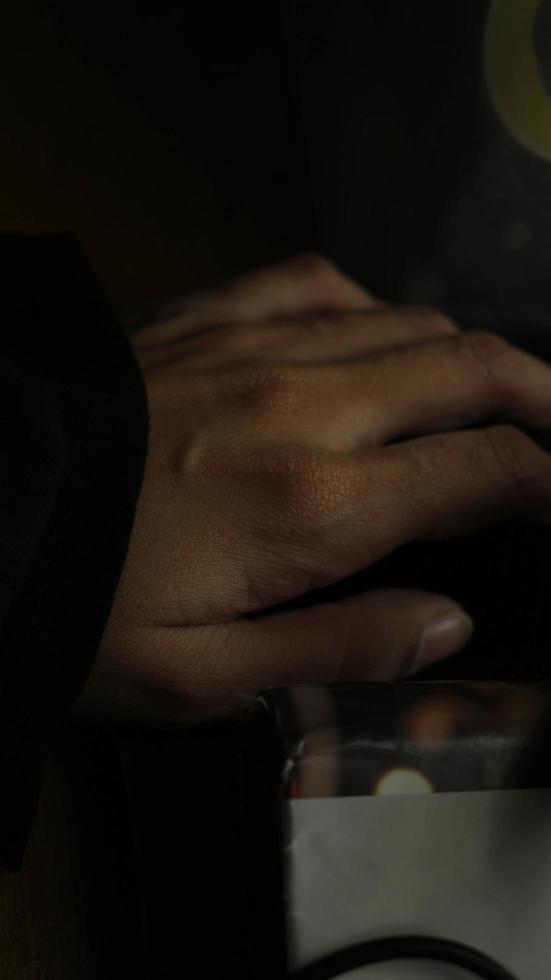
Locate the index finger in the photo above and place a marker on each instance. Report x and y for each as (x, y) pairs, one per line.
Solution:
(303, 286)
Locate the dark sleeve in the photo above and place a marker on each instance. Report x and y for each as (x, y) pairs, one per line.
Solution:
(74, 431)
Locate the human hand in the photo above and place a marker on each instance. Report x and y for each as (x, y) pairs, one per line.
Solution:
(300, 431)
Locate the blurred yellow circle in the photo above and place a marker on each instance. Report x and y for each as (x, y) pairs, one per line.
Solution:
(513, 75)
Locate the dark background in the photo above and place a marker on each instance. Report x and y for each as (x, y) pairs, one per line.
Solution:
(168, 137)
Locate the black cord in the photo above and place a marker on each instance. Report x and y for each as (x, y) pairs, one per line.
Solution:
(402, 948)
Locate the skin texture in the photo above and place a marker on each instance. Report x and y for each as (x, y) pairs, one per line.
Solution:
(301, 429)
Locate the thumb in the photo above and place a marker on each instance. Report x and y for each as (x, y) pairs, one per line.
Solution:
(376, 636)
(199, 673)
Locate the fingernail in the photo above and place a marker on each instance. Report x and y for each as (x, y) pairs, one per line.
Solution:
(442, 638)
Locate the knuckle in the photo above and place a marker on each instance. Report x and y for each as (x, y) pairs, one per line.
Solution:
(422, 318)
(320, 277)
(313, 265)
(312, 487)
(487, 352)
(518, 462)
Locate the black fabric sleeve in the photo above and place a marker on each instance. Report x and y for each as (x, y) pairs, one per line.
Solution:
(73, 420)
